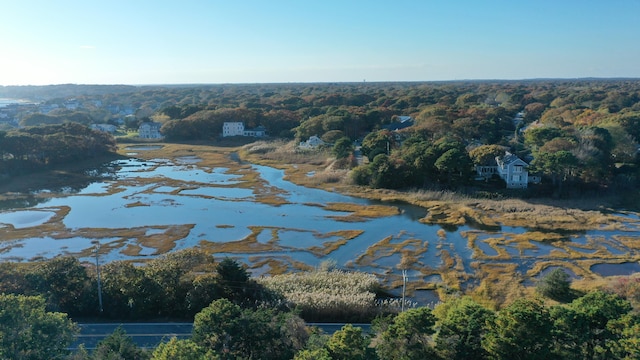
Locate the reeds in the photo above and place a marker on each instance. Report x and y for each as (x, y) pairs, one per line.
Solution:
(330, 295)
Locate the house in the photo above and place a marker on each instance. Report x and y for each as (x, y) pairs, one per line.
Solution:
(150, 130)
(104, 127)
(312, 143)
(237, 129)
(259, 131)
(232, 129)
(510, 168)
(513, 171)
(400, 123)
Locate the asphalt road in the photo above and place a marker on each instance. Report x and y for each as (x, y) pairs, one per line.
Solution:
(144, 335)
(149, 335)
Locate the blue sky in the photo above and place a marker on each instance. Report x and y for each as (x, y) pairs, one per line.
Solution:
(257, 41)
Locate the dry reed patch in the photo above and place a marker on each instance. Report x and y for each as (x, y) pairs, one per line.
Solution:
(540, 266)
(248, 245)
(52, 226)
(369, 211)
(210, 156)
(408, 249)
(136, 204)
(631, 242)
(165, 241)
(501, 284)
(278, 265)
(132, 250)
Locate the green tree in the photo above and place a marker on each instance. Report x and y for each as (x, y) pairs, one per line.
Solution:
(343, 148)
(186, 349)
(376, 143)
(232, 332)
(315, 354)
(462, 325)
(586, 326)
(28, 331)
(537, 136)
(485, 155)
(407, 336)
(66, 285)
(455, 166)
(560, 166)
(523, 330)
(348, 343)
(556, 285)
(118, 346)
(128, 292)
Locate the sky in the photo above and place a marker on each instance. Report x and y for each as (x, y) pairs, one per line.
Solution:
(280, 41)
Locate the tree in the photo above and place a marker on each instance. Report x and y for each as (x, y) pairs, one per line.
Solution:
(558, 165)
(485, 155)
(118, 346)
(455, 166)
(128, 292)
(65, 283)
(348, 343)
(376, 143)
(343, 148)
(186, 349)
(28, 331)
(462, 325)
(556, 285)
(232, 332)
(523, 330)
(536, 137)
(586, 326)
(407, 336)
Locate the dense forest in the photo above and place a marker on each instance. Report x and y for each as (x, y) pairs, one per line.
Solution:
(236, 317)
(26, 149)
(581, 136)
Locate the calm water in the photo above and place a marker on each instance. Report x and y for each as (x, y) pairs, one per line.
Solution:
(221, 209)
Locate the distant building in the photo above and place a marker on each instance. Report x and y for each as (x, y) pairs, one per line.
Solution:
(237, 129)
(150, 130)
(259, 131)
(312, 143)
(104, 127)
(232, 129)
(401, 122)
(513, 170)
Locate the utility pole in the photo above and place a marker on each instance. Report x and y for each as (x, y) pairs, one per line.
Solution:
(404, 287)
(97, 251)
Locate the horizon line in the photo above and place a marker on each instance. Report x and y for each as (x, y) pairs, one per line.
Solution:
(332, 82)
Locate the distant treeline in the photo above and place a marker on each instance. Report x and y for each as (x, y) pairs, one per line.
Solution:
(25, 149)
(580, 135)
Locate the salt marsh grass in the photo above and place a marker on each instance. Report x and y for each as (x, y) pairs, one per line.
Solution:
(331, 295)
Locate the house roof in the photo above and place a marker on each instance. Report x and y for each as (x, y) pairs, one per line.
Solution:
(509, 159)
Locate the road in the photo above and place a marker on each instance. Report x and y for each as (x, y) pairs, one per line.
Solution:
(149, 335)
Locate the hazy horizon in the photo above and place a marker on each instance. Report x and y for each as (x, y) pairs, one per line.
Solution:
(285, 41)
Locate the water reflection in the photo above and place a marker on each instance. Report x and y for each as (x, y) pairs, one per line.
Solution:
(223, 212)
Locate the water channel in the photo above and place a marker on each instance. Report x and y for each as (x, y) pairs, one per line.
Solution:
(148, 207)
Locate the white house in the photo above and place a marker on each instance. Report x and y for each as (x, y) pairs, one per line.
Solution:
(513, 171)
(312, 143)
(150, 130)
(237, 129)
(232, 129)
(510, 168)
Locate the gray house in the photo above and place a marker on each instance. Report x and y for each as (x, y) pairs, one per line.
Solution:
(513, 170)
